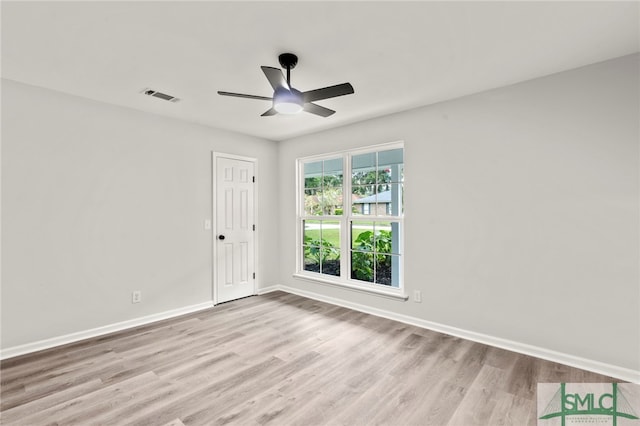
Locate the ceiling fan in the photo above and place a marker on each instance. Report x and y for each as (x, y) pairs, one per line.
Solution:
(286, 99)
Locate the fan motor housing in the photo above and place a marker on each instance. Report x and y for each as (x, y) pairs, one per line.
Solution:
(288, 60)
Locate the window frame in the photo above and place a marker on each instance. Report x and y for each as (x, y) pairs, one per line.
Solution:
(345, 220)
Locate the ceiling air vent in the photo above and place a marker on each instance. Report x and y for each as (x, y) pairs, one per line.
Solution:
(160, 95)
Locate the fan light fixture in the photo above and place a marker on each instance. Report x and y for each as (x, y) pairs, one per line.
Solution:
(287, 102)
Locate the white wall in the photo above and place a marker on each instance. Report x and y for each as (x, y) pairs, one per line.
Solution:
(98, 201)
(521, 211)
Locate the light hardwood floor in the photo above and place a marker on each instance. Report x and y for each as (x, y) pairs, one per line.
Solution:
(277, 359)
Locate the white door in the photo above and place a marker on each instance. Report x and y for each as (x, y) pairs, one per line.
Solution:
(235, 229)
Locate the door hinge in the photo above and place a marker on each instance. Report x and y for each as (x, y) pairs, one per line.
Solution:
(254, 227)
(254, 275)
(254, 179)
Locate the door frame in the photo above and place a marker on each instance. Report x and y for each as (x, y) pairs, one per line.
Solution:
(214, 226)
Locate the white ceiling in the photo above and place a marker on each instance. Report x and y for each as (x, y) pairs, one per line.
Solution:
(397, 55)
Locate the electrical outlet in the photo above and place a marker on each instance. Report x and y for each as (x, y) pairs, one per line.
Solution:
(417, 296)
(136, 296)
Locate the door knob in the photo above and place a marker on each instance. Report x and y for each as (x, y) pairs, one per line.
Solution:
(221, 237)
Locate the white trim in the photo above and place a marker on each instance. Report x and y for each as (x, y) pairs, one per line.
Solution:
(234, 156)
(356, 151)
(610, 370)
(270, 289)
(100, 331)
(214, 156)
(391, 292)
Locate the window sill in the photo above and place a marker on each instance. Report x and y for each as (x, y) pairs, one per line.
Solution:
(391, 293)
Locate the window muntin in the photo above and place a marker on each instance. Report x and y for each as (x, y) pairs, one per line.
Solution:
(354, 239)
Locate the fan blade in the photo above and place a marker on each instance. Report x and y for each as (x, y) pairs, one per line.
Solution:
(318, 110)
(328, 92)
(269, 112)
(241, 95)
(275, 77)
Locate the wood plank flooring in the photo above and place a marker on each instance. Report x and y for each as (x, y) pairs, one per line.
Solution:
(277, 359)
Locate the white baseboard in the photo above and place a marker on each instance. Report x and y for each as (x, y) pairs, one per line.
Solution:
(535, 351)
(99, 331)
(269, 289)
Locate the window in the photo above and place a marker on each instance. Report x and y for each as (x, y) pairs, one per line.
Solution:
(350, 217)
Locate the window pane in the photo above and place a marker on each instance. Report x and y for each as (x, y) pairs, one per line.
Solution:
(390, 166)
(383, 187)
(313, 169)
(363, 196)
(363, 177)
(361, 191)
(331, 201)
(363, 169)
(362, 266)
(363, 162)
(383, 269)
(330, 262)
(312, 182)
(311, 245)
(332, 181)
(383, 237)
(390, 201)
(330, 234)
(311, 259)
(321, 246)
(330, 255)
(311, 232)
(333, 172)
(362, 236)
(312, 202)
(390, 157)
(383, 209)
(384, 200)
(384, 175)
(313, 174)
